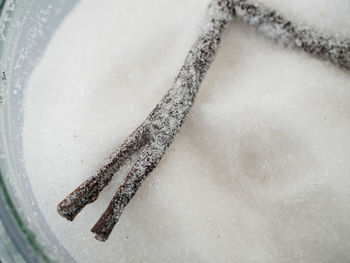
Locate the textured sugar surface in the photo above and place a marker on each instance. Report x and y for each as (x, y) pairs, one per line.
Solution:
(259, 171)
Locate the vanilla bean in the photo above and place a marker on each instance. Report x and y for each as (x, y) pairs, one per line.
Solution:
(159, 129)
(168, 116)
(276, 27)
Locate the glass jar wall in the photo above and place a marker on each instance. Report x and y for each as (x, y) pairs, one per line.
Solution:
(25, 29)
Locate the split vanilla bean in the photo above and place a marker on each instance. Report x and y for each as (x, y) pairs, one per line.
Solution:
(168, 116)
(156, 133)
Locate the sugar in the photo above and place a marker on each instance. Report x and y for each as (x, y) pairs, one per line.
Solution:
(259, 171)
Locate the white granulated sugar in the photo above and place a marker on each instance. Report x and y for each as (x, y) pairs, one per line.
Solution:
(258, 173)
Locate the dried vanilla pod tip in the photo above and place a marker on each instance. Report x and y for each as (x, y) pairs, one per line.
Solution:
(89, 190)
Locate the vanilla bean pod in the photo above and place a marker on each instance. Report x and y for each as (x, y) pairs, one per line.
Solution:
(157, 132)
(276, 27)
(168, 116)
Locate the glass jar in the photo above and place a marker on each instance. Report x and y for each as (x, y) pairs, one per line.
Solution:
(25, 29)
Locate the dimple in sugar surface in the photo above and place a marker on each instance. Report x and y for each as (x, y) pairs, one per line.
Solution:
(163, 123)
